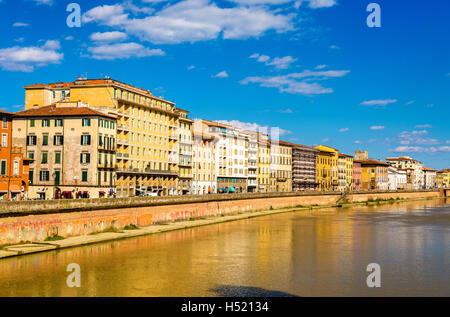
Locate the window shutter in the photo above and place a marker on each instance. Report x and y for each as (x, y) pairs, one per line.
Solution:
(54, 140)
(81, 158)
(28, 140)
(89, 140)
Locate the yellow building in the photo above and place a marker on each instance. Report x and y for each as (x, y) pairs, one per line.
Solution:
(147, 138)
(443, 178)
(327, 168)
(263, 163)
(185, 152)
(345, 172)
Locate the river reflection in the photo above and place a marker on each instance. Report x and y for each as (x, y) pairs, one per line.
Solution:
(306, 253)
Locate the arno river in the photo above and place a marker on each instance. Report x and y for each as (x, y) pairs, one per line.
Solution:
(305, 253)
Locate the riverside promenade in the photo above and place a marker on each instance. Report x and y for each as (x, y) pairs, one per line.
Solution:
(29, 227)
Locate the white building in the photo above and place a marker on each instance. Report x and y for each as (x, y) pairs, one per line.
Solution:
(231, 156)
(416, 178)
(396, 178)
(430, 178)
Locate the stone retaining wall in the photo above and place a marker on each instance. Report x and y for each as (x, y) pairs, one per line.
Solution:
(33, 228)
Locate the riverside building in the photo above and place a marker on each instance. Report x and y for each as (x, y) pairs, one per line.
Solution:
(13, 164)
(147, 138)
(71, 148)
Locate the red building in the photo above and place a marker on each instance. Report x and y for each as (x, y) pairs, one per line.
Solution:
(13, 167)
(357, 178)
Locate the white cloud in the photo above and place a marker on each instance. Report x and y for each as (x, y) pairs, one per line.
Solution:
(380, 102)
(25, 59)
(255, 127)
(321, 66)
(410, 102)
(122, 50)
(108, 36)
(20, 24)
(314, 4)
(297, 83)
(222, 74)
(423, 126)
(69, 38)
(192, 21)
(279, 62)
(358, 142)
(334, 47)
(344, 130)
(377, 127)
(44, 2)
(191, 67)
(416, 138)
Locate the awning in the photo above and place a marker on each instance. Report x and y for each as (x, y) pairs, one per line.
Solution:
(102, 192)
(231, 189)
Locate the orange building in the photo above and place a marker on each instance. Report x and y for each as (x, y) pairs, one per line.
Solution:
(13, 167)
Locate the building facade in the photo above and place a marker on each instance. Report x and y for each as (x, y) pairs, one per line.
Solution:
(345, 172)
(374, 175)
(147, 138)
(185, 152)
(416, 176)
(327, 168)
(14, 167)
(357, 175)
(281, 166)
(72, 149)
(429, 178)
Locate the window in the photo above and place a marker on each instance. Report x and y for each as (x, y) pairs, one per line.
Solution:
(4, 123)
(16, 168)
(58, 123)
(45, 139)
(85, 139)
(46, 123)
(31, 155)
(32, 123)
(85, 158)
(57, 157)
(31, 140)
(44, 158)
(3, 168)
(4, 140)
(86, 122)
(84, 176)
(44, 176)
(30, 176)
(58, 140)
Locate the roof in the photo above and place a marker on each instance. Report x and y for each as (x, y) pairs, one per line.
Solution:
(447, 170)
(296, 145)
(204, 135)
(428, 169)
(181, 110)
(401, 158)
(5, 112)
(53, 111)
(94, 82)
(373, 162)
(344, 155)
(325, 150)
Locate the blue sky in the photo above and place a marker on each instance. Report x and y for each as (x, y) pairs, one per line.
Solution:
(313, 67)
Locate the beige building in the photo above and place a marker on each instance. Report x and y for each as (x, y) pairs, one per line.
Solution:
(252, 181)
(147, 138)
(185, 152)
(280, 167)
(72, 149)
(204, 178)
(231, 157)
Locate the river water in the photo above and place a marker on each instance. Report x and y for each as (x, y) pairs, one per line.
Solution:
(305, 253)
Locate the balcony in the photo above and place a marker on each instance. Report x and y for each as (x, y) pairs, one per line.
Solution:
(121, 156)
(123, 127)
(173, 136)
(123, 142)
